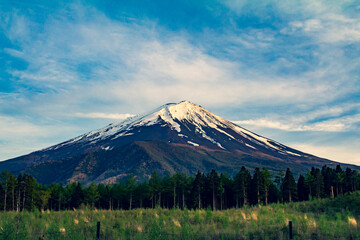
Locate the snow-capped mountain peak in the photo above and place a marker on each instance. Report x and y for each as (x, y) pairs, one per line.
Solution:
(174, 137)
(186, 120)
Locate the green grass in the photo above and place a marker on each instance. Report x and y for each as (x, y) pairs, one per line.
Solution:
(318, 219)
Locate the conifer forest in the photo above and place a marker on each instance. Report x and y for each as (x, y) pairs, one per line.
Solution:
(323, 204)
(212, 190)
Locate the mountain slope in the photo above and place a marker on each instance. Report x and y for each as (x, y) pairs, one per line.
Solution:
(175, 137)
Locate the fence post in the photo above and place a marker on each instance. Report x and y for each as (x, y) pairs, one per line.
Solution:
(98, 231)
(290, 231)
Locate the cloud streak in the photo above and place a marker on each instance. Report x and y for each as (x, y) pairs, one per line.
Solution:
(337, 125)
(120, 116)
(335, 119)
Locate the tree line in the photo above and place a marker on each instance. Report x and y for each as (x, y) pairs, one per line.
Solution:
(212, 190)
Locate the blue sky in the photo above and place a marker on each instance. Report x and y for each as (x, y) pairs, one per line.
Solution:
(287, 70)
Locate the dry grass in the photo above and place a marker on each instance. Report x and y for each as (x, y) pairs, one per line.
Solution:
(334, 221)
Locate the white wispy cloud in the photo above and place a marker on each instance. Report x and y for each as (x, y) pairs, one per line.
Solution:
(323, 20)
(331, 28)
(340, 153)
(105, 115)
(338, 125)
(18, 135)
(327, 119)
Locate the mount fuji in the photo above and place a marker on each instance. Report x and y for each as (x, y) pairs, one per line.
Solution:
(175, 137)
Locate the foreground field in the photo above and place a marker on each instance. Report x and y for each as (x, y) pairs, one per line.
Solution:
(318, 219)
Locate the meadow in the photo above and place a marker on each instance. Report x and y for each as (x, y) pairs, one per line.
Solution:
(316, 219)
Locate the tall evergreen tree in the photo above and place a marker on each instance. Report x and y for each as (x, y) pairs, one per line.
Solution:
(256, 185)
(56, 197)
(167, 186)
(213, 179)
(105, 197)
(289, 187)
(28, 198)
(42, 197)
(242, 184)
(274, 193)
(19, 191)
(221, 188)
(301, 189)
(266, 181)
(119, 194)
(329, 181)
(318, 184)
(77, 197)
(92, 195)
(4, 178)
(155, 189)
(130, 187)
(198, 190)
(309, 182)
(339, 179)
(142, 192)
(12, 183)
(349, 182)
(226, 191)
(279, 179)
(175, 179)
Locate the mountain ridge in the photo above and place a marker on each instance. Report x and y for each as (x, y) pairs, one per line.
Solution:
(165, 139)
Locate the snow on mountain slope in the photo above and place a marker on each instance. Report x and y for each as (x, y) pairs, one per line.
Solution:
(175, 115)
(182, 137)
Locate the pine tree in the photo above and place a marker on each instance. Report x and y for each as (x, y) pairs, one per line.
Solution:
(242, 184)
(226, 191)
(104, 200)
(57, 196)
(339, 179)
(12, 183)
(155, 189)
(186, 187)
(77, 196)
(142, 191)
(221, 189)
(53, 198)
(329, 181)
(349, 181)
(279, 179)
(198, 189)
(168, 189)
(256, 186)
(19, 191)
(43, 196)
(289, 187)
(119, 194)
(309, 182)
(130, 187)
(29, 192)
(4, 176)
(301, 189)
(214, 180)
(318, 184)
(92, 195)
(274, 193)
(175, 179)
(266, 181)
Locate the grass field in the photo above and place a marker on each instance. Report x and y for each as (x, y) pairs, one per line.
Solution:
(317, 219)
